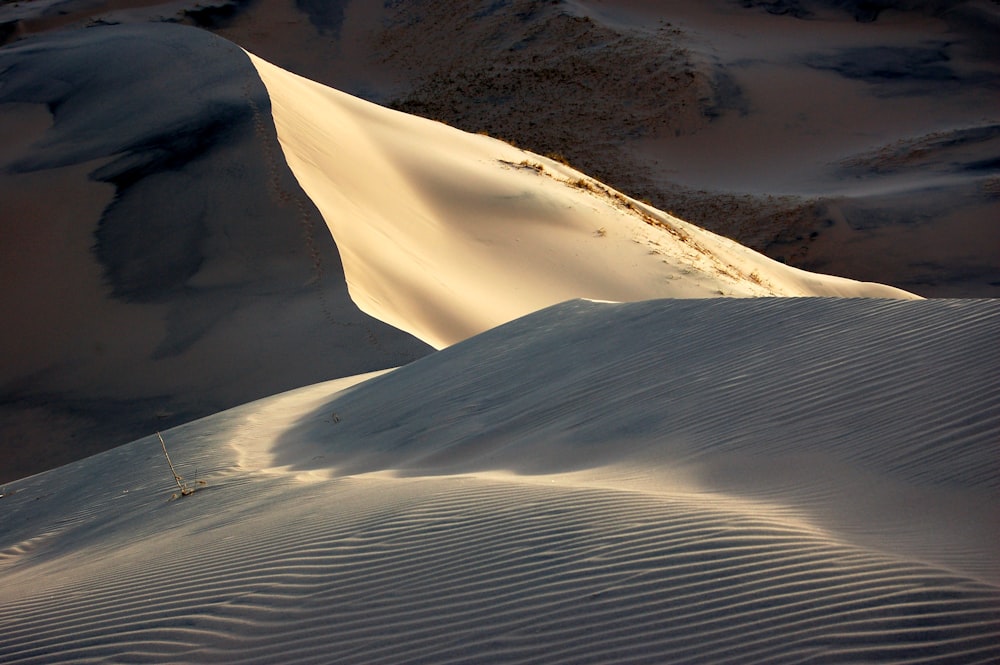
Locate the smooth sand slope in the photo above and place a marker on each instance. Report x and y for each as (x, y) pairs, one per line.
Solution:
(446, 234)
(721, 481)
(850, 137)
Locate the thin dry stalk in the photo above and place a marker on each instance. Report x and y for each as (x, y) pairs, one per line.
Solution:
(185, 490)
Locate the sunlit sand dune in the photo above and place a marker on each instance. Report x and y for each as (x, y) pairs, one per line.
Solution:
(446, 234)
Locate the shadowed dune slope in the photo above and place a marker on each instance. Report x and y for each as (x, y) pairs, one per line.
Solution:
(158, 260)
(724, 481)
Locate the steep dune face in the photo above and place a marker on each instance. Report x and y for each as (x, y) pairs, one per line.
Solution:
(736, 116)
(159, 262)
(446, 234)
(684, 481)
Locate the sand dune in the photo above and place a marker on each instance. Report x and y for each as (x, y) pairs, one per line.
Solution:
(735, 116)
(446, 234)
(158, 257)
(686, 495)
(697, 479)
(182, 270)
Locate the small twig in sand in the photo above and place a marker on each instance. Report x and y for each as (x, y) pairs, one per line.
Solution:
(185, 490)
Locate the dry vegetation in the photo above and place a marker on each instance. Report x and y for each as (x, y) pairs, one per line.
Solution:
(647, 215)
(183, 488)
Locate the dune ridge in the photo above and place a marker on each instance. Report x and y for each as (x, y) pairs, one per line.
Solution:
(445, 234)
(631, 508)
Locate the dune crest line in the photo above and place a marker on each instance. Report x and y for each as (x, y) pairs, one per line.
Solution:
(445, 234)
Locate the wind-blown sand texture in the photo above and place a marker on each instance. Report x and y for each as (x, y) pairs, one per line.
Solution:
(752, 480)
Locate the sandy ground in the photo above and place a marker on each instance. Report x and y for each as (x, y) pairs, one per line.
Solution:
(724, 480)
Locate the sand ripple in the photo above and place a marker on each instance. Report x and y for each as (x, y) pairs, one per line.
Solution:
(453, 570)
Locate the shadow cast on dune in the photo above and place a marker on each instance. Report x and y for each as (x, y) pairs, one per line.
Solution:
(702, 481)
(783, 399)
(208, 279)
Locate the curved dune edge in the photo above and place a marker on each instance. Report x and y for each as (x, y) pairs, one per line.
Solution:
(531, 508)
(445, 234)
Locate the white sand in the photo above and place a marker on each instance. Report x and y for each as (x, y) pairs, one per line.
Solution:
(446, 234)
(726, 481)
